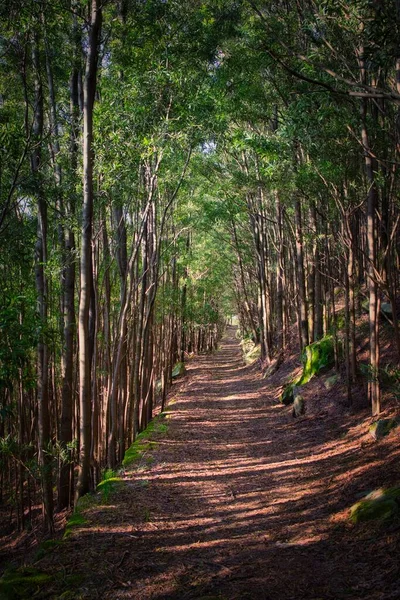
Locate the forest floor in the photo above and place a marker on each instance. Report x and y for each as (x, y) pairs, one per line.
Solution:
(239, 500)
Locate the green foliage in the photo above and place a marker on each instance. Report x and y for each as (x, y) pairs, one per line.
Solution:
(77, 518)
(18, 338)
(390, 379)
(47, 548)
(22, 583)
(110, 483)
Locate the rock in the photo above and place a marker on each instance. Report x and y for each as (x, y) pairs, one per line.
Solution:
(380, 504)
(383, 427)
(178, 370)
(299, 404)
(273, 367)
(386, 309)
(286, 396)
(317, 356)
(253, 355)
(331, 381)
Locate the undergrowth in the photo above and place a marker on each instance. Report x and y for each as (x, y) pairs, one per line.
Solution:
(29, 582)
(142, 443)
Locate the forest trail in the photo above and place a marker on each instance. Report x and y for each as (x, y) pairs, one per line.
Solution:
(239, 500)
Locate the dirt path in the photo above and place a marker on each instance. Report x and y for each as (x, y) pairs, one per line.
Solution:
(241, 501)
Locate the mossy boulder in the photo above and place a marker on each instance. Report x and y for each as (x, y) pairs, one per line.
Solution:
(382, 427)
(381, 504)
(317, 356)
(178, 370)
(287, 396)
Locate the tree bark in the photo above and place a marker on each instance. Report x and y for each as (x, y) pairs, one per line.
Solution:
(86, 275)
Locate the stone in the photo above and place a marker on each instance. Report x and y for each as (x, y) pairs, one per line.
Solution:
(386, 309)
(286, 396)
(253, 355)
(383, 427)
(273, 367)
(318, 355)
(331, 381)
(178, 370)
(299, 404)
(382, 504)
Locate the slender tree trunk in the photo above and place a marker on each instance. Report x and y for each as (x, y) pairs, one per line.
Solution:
(374, 301)
(301, 280)
(86, 276)
(42, 295)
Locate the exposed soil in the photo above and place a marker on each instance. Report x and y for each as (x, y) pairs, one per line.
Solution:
(239, 500)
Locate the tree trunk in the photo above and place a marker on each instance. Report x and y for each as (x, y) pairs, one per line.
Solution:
(42, 295)
(86, 276)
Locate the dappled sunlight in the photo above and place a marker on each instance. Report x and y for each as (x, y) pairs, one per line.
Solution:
(239, 499)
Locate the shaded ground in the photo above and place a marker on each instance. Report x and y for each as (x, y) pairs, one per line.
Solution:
(240, 501)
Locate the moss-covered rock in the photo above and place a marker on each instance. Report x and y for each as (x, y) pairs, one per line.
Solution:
(382, 504)
(383, 427)
(317, 356)
(286, 396)
(178, 370)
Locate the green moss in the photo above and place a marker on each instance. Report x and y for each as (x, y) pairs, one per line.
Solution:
(178, 370)
(286, 396)
(109, 484)
(76, 520)
(25, 582)
(383, 427)
(317, 356)
(142, 444)
(46, 548)
(381, 504)
(253, 355)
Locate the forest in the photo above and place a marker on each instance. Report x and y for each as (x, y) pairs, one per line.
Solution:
(168, 169)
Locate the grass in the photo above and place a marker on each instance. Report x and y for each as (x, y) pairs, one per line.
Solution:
(110, 483)
(143, 444)
(22, 583)
(76, 520)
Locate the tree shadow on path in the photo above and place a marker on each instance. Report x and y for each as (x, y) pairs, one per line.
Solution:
(240, 501)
